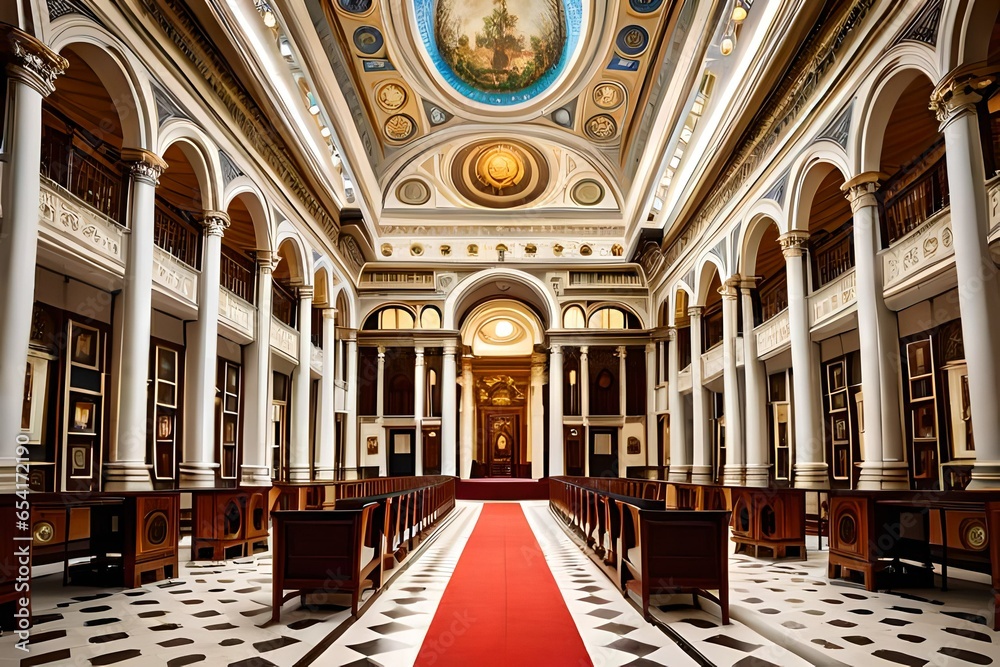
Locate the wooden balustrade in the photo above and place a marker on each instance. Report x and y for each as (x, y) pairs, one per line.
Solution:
(711, 327)
(773, 293)
(175, 233)
(915, 193)
(833, 254)
(283, 303)
(237, 273)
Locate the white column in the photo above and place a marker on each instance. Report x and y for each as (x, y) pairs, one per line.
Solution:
(557, 464)
(380, 385)
(326, 440)
(884, 465)
(32, 69)
(351, 399)
(468, 440)
(680, 465)
(810, 470)
(584, 381)
(756, 396)
(199, 465)
(734, 470)
(449, 411)
(298, 452)
(955, 102)
(256, 469)
(537, 415)
(622, 397)
(419, 380)
(127, 469)
(701, 466)
(652, 441)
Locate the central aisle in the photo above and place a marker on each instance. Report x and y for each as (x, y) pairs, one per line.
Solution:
(502, 605)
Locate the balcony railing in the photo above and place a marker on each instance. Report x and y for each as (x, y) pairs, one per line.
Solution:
(834, 255)
(175, 234)
(711, 328)
(283, 303)
(237, 274)
(87, 167)
(915, 193)
(773, 296)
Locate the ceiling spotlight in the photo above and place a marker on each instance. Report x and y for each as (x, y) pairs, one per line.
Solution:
(285, 48)
(739, 11)
(313, 106)
(504, 328)
(325, 131)
(269, 19)
(727, 46)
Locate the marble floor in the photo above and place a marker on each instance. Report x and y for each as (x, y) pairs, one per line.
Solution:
(784, 613)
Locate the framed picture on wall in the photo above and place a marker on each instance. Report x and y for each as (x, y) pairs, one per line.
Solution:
(83, 346)
(82, 417)
(372, 444)
(633, 446)
(79, 461)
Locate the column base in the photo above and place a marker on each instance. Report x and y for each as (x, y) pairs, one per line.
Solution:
(679, 473)
(701, 474)
(811, 476)
(323, 474)
(884, 476)
(127, 476)
(298, 475)
(985, 475)
(734, 475)
(757, 474)
(198, 475)
(255, 476)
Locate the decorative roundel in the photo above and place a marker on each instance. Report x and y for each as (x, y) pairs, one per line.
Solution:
(847, 529)
(645, 6)
(500, 174)
(368, 40)
(43, 532)
(390, 96)
(156, 528)
(413, 192)
(386, 249)
(609, 94)
(601, 127)
(400, 127)
(632, 40)
(586, 250)
(587, 192)
(973, 534)
(355, 6)
(416, 250)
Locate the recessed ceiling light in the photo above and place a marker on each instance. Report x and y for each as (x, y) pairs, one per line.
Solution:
(504, 328)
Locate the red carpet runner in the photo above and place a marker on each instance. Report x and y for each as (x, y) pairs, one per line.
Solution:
(502, 606)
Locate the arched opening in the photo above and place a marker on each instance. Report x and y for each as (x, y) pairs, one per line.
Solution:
(682, 324)
(287, 273)
(711, 318)
(180, 205)
(238, 269)
(912, 154)
(769, 267)
(831, 226)
(992, 152)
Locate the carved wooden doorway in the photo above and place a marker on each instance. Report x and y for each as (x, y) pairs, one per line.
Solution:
(501, 416)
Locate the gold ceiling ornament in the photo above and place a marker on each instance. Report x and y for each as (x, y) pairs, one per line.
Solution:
(500, 167)
(601, 127)
(391, 96)
(587, 192)
(387, 249)
(414, 192)
(500, 174)
(400, 127)
(609, 95)
(500, 390)
(445, 250)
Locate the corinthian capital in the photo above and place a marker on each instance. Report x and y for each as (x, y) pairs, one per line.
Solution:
(860, 190)
(794, 243)
(957, 94)
(146, 166)
(29, 60)
(215, 223)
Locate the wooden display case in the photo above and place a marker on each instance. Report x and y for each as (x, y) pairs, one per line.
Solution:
(771, 519)
(228, 523)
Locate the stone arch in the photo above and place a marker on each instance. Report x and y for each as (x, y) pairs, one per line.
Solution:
(201, 152)
(244, 189)
(523, 286)
(808, 171)
(292, 248)
(703, 277)
(964, 29)
(754, 230)
(681, 297)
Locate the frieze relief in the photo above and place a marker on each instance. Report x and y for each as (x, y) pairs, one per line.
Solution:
(175, 275)
(92, 231)
(928, 244)
(284, 339)
(833, 297)
(236, 312)
(773, 334)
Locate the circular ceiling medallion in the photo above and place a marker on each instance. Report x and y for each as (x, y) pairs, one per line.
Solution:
(368, 40)
(355, 6)
(632, 40)
(413, 192)
(390, 96)
(499, 53)
(609, 94)
(645, 6)
(587, 192)
(400, 127)
(601, 127)
(499, 174)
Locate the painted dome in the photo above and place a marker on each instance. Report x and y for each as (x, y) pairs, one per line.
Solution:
(499, 52)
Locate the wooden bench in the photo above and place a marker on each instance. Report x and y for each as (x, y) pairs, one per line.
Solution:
(324, 551)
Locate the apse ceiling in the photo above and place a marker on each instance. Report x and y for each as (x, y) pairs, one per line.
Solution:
(521, 125)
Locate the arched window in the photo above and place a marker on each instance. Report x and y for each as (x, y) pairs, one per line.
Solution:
(610, 317)
(392, 317)
(573, 318)
(430, 318)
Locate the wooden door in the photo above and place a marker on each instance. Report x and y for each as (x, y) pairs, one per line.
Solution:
(402, 452)
(603, 452)
(575, 455)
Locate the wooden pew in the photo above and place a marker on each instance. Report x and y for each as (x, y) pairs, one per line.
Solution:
(324, 551)
(671, 551)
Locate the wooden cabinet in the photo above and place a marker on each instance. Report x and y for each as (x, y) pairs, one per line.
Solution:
(228, 523)
(772, 519)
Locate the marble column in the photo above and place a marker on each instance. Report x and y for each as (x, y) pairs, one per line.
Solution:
(734, 470)
(419, 380)
(954, 100)
(256, 468)
(537, 416)
(127, 468)
(756, 396)
(557, 465)
(351, 406)
(449, 411)
(326, 440)
(584, 380)
(701, 466)
(299, 469)
(31, 69)
(198, 468)
(652, 441)
(468, 439)
(884, 465)
(809, 470)
(380, 384)
(680, 464)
